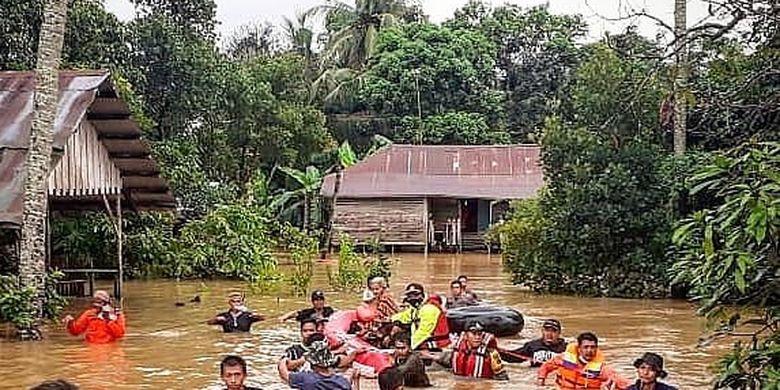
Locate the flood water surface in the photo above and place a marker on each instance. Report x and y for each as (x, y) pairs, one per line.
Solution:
(170, 347)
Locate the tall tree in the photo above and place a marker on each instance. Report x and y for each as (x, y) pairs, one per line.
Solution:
(680, 75)
(32, 264)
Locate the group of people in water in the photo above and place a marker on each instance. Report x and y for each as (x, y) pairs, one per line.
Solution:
(397, 344)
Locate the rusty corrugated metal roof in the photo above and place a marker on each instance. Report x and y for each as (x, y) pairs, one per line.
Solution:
(82, 95)
(474, 172)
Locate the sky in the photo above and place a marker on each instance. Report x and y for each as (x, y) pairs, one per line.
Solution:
(235, 13)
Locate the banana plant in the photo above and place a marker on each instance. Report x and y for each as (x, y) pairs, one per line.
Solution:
(309, 182)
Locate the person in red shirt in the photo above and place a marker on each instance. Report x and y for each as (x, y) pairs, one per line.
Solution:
(100, 324)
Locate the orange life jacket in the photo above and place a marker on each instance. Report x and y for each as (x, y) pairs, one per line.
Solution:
(97, 330)
(474, 362)
(573, 374)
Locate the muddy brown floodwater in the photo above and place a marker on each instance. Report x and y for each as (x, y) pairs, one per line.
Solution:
(169, 347)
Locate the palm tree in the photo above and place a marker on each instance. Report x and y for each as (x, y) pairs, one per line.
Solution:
(351, 41)
(300, 34)
(355, 29)
(32, 261)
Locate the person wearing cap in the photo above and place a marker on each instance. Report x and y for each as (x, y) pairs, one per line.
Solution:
(539, 350)
(650, 368)
(386, 306)
(317, 308)
(321, 376)
(582, 366)
(101, 323)
(476, 355)
(238, 318)
(425, 318)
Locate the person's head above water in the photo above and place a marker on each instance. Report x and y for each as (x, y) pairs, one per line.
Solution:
(587, 346)
(100, 298)
(319, 354)
(456, 288)
(377, 285)
(236, 301)
(474, 332)
(414, 294)
(308, 328)
(464, 281)
(318, 299)
(233, 372)
(551, 331)
(650, 367)
(391, 379)
(402, 344)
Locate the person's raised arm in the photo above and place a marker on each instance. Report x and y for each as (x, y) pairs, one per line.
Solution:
(79, 326)
(256, 317)
(288, 316)
(218, 320)
(546, 368)
(117, 326)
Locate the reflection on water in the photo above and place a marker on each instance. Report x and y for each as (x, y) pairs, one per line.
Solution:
(169, 347)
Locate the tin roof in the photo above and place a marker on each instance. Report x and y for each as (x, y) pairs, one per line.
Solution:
(469, 172)
(83, 95)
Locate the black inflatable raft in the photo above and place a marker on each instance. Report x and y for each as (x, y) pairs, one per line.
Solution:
(499, 320)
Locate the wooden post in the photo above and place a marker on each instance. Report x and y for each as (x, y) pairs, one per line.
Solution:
(119, 239)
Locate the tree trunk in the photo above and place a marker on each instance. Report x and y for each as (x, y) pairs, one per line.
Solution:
(306, 208)
(32, 264)
(680, 76)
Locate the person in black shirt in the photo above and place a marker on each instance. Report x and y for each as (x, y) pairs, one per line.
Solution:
(238, 318)
(294, 355)
(233, 372)
(317, 309)
(540, 350)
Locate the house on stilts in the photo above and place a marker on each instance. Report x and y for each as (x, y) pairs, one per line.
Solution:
(431, 197)
(99, 161)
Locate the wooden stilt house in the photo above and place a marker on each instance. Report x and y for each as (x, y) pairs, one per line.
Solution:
(99, 161)
(431, 196)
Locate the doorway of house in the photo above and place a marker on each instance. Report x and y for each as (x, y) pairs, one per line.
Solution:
(469, 214)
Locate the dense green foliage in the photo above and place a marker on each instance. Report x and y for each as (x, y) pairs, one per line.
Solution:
(730, 255)
(17, 303)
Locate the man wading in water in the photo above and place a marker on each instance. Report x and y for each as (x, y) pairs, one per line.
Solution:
(322, 376)
(100, 324)
(650, 368)
(540, 350)
(238, 318)
(233, 372)
(317, 309)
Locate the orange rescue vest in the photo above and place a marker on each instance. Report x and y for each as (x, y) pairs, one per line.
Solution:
(573, 374)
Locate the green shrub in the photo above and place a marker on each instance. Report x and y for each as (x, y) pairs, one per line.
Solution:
(232, 241)
(17, 303)
(302, 249)
(351, 274)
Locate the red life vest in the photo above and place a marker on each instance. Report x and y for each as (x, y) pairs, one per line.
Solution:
(441, 333)
(475, 363)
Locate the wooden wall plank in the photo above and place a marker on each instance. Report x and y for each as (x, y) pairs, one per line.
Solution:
(389, 220)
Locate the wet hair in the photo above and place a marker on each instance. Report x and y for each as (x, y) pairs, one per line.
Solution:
(403, 337)
(463, 277)
(456, 282)
(56, 385)
(232, 361)
(587, 336)
(390, 379)
(308, 320)
(314, 337)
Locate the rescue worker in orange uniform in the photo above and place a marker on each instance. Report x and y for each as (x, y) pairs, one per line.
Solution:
(582, 366)
(100, 324)
(425, 318)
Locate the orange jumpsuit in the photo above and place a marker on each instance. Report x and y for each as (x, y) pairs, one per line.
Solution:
(97, 330)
